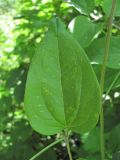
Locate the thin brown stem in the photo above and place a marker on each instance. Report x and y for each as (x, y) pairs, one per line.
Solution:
(102, 78)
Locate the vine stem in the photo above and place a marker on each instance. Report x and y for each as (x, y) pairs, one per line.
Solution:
(68, 145)
(46, 148)
(102, 78)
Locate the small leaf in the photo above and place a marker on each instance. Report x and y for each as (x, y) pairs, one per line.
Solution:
(98, 2)
(116, 156)
(62, 90)
(107, 4)
(92, 143)
(84, 6)
(112, 75)
(96, 51)
(84, 30)
(95, 156)
(114, 139)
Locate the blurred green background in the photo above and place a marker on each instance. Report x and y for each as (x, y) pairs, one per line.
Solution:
(22, 25)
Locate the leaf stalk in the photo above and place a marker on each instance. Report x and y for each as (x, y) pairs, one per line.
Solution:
(68, 145)
(46, 148)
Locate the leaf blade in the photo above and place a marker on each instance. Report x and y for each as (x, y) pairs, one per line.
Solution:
(56, 79)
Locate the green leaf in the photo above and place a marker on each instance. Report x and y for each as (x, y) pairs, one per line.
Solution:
(95, 156)
(114, 139)
(96, 51)
(116, 156)
(61, 85)
(84, 6)
(92, 143)
(107, 4)
(110, 76)
(98, 2)
(84, 30)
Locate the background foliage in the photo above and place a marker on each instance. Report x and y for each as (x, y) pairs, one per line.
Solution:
(22, 26)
